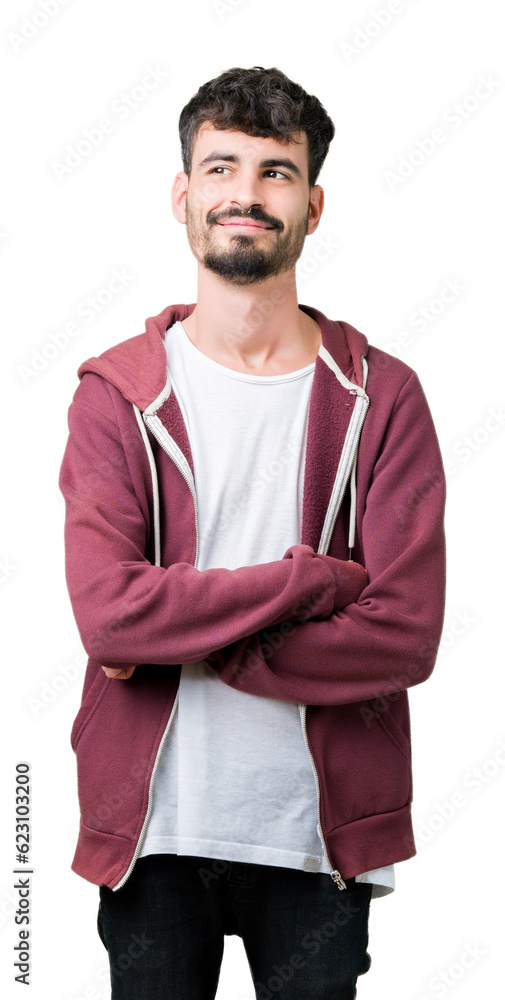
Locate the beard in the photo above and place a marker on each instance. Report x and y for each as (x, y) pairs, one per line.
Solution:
(243, 262)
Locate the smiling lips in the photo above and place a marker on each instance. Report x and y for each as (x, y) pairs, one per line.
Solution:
(242, 224)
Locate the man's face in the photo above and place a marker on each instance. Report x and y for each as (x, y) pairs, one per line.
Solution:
(247, 204)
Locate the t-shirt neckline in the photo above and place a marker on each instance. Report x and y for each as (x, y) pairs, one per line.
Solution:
(241, 376)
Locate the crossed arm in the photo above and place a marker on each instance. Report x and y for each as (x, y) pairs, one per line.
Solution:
(130, 612)
(350, 578)
(352, 636)
(387, 639)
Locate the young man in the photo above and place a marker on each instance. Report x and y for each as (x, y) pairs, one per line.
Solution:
(255, 559)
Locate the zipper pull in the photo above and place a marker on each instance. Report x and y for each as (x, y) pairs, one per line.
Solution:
(336, 876)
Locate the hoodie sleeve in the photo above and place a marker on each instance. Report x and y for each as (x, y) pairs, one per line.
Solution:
(386, 640)
(131, 612)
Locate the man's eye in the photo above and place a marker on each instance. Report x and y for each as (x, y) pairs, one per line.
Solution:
(272, 171)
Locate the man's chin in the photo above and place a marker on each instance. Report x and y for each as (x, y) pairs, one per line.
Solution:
(240, 280)
(240, 273)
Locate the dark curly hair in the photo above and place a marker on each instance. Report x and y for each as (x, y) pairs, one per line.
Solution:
(262, 102)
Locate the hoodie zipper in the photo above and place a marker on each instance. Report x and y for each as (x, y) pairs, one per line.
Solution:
(150, 798)
(335, 874)
(174, 452)
(170, 447)
(348, 454)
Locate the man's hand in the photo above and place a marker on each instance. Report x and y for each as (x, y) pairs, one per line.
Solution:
(350, 579)
(118, 673)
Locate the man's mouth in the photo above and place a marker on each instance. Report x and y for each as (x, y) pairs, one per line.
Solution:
(245, 224)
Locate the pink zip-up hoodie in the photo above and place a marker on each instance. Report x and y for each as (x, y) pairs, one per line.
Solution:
(343, 624)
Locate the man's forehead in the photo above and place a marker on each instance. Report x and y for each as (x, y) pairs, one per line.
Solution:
(247, 147)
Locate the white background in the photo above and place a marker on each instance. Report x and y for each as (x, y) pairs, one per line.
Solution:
(398, 244)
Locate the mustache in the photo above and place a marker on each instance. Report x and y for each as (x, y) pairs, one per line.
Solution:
(253, 213)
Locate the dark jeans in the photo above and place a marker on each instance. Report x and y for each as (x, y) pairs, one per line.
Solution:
(305, 939)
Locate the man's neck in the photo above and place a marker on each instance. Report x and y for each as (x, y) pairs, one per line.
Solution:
(257, 330)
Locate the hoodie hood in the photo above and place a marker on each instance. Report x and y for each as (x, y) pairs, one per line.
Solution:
(138, 366)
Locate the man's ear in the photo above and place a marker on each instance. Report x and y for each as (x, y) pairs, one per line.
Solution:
(179, 189)
(316, 202)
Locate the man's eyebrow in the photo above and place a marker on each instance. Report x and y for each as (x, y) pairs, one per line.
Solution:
(272, 162)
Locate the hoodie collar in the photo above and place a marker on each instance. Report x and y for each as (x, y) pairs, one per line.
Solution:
(138, 366)
(138, 369)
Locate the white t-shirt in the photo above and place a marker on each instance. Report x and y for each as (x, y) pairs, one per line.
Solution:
(235, 780)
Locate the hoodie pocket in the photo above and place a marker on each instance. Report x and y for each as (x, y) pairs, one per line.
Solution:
(383, 713)
(116, 740)
(91, 700)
